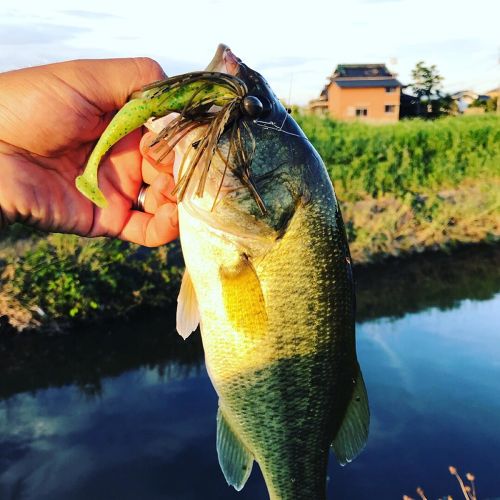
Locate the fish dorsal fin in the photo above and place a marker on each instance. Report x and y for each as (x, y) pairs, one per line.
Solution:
(188, 315)
(353, 433)
(243, 299)
(234, 458)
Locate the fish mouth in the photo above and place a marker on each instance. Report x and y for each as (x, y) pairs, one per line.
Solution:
(224, 61)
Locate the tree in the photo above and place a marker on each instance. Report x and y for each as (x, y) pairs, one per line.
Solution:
(490, 105)
(426, 83)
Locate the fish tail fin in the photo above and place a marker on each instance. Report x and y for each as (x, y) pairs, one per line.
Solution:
(134, 114)
(353, 433)
(234, 458)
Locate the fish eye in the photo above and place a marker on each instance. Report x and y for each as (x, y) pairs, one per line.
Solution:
(252, 106)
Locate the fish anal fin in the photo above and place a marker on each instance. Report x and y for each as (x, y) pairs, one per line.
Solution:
(234, 458)
(188, 315)
(243, 299)
(353, 432)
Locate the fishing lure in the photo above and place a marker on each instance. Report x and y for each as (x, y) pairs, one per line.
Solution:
(200, 98)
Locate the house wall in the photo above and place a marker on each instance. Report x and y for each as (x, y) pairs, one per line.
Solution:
(343, 102)
(318, 107)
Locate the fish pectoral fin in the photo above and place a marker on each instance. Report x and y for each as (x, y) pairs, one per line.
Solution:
(244, 300)
(234, 458)
(188, 314)
(353, 433)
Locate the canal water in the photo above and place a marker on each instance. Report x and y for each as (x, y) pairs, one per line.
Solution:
(128, 412)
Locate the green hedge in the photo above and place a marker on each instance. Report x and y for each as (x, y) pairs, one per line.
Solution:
(406, 156)
(70, 278)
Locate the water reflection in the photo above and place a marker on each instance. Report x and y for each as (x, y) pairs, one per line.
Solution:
(84, 358)
(128, 412)
(434, 384)
(398, 287)
(137, 434)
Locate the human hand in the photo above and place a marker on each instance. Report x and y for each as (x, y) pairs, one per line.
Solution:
(50, 119)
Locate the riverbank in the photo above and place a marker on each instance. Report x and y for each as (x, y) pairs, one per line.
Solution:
(49, 290)
(414, 185)
(92, 353)
(393, 226)
(404, 189)
(56, 282)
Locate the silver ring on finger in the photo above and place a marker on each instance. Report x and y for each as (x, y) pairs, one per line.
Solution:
(141, 198)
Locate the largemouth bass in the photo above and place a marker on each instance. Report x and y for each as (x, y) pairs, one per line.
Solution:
(268, 277)
(268, 273)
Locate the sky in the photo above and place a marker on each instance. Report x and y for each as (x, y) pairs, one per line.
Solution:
(295, 45)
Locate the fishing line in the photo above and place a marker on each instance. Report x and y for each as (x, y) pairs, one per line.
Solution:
(289, 102)
(275, 128)
(284, 120)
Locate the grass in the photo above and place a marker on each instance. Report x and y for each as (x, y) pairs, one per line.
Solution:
(413, 185)
(403, 188)
(408, 156)
(468, 490)
(59, 280)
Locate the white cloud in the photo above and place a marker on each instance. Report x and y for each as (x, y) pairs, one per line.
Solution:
(52, 437)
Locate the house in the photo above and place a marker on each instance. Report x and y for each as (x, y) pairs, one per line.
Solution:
(367, 92)
(493, 93)
(464, 98)
(319, 106)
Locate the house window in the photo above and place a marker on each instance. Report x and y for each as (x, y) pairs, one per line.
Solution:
(390, 90)
(390, 108)
(361, 112)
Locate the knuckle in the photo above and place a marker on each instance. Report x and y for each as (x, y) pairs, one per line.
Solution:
(149, 69)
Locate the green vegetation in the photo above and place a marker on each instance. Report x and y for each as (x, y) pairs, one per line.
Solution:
(489, 106)
(426, 80)
(59, 280)
(413, 185)
(426, 85)
(404, 188)
(408, 156)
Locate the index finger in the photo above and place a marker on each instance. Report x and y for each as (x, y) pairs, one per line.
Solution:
(108, 83)
(153, 164)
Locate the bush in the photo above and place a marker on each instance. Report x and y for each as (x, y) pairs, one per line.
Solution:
(69, 278)
(407, 156)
